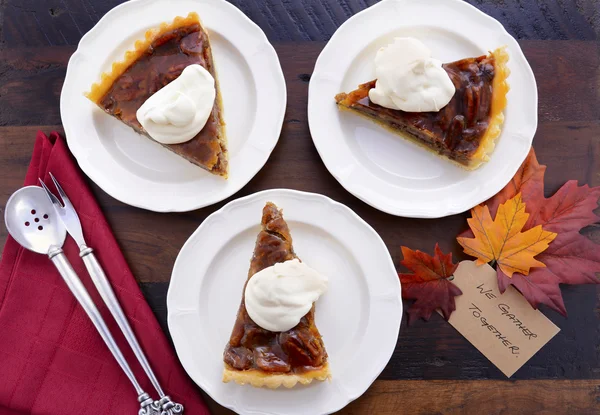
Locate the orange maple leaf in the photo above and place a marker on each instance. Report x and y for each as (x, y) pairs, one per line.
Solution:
(501, 239)
(571, 258)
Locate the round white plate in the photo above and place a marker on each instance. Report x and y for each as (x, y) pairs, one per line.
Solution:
(358, 317)
(140, 172)
(384, 170)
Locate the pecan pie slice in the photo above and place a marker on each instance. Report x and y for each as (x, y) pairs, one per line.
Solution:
(465, 130)
(155, 61)
(265, 358)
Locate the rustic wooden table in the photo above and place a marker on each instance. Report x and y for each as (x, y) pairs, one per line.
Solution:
(433, 369)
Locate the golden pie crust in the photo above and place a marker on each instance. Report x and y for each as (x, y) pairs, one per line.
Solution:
(260, 379)
(107, 79)
(500, 89)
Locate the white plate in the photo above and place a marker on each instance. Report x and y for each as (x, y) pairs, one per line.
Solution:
(384, 170)
(140, 172)
(359, 316)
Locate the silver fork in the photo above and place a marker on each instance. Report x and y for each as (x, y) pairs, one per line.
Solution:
(66, 212)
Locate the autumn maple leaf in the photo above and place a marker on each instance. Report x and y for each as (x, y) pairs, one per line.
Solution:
(528, 180)
(501, 239)
(429, 284)
(568, 210)
(571, 258)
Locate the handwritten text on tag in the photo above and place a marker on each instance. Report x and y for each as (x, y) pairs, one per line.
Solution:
(504, 327)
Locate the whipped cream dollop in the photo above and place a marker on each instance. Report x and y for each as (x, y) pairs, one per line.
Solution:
(279, 296)
(178, 111)
(409, 79)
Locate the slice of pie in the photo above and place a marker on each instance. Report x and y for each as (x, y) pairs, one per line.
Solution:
(264, 358)
(466, 129)
(155, 61)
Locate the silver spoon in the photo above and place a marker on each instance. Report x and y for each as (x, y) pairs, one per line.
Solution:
(32, 222)
(67, 214)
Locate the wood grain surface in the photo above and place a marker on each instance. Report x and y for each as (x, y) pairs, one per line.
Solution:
(63, 22)
(433, 369)
(426, 397)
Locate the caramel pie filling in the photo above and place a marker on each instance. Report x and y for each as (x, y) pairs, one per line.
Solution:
(163, 62)
(297, 350)
(457, 129)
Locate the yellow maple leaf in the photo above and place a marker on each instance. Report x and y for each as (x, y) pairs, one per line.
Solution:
(501, 239)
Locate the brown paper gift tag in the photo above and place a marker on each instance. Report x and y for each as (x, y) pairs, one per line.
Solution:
(504, 327)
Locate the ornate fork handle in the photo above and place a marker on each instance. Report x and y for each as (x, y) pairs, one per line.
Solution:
(164, 406)
(78, 289)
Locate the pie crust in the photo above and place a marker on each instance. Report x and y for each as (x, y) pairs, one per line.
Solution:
(259, 357)
(122, 90)
(259, 379)
(433, 131)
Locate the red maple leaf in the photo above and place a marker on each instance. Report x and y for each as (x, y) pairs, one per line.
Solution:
(528, 180)
(430, 284)
(571, 258)
(568, 210)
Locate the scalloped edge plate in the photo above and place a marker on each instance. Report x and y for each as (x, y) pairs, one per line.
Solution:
(384, 170)
(359, 316)
(138, 171)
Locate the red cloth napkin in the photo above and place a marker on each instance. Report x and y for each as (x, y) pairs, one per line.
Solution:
(52, 360)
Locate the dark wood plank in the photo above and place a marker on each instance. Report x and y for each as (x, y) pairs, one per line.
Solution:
(425, 397)
(549, 61)
(55, 23)
(36, 75)
(571, 151)
(478, 397)
(432, 350)
(31, 80)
